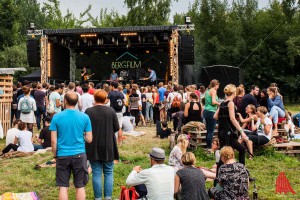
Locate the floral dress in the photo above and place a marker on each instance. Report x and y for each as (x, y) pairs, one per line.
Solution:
(175, 158)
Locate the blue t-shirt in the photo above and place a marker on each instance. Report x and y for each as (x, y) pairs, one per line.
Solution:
(70, 126)
(161, 92)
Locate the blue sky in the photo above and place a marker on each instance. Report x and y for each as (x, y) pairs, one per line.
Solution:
(77, 6)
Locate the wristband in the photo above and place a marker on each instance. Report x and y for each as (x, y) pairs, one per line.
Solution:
(241, 130)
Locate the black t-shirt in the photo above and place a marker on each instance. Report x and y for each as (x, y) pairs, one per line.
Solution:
(39, 97)
(46, 136)
(247, 99)
(32, 92)
(104, 145)
(82, 77)
(164, 133)
(19, 93)
(114, 96)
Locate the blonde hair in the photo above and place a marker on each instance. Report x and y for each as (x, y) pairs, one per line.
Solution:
(229, 90)
(188, 159)
(227, 153)
(262, 109)
(183, 142)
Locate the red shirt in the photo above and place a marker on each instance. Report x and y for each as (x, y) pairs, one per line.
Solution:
(91, 91)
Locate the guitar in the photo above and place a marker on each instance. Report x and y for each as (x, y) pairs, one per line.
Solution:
(87, 77)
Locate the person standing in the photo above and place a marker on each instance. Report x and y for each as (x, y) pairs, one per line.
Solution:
(117, 102)
(152, 77)
(113, 76)
(78, 88)
(83, 74)
(40, 99)
(55, 100)
(103, 150)
(211, 106)
(69, 129)
(249, 99)
(27, 107)
(87, 100)
(92, 88)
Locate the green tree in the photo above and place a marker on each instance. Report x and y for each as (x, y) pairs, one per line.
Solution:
(9, 23)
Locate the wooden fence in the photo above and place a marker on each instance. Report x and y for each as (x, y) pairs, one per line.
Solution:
(6, 94)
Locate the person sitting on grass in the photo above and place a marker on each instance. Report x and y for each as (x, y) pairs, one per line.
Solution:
(162, 130)
(215, 148)
(25, 139)
(262, 128)
(251, 116)
(11, 133)
(159, 179)
(178, 151)
(45, 136)
(233, 178)
(191, 179)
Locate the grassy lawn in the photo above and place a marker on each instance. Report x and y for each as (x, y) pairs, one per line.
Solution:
(18, 175)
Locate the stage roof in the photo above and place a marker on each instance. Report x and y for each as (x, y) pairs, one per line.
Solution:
(110, 30)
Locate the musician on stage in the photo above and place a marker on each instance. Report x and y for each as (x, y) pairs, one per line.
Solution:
(84, 73)
(113, 76)
(152, 76)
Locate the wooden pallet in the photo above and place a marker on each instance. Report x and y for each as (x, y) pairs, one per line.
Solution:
(6, 87)
(288, 148)
(198, 138)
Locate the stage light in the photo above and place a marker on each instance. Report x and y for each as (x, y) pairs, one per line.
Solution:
(49, 60)
(31, 26)
(112, 39)
(147, 51)
(117, 42)
(125, 39)
(81, 53)
(78, 43)
(88, 35)
(128, 34)
(166, 37)
(106, 53)
(187, 20)
(98, 42)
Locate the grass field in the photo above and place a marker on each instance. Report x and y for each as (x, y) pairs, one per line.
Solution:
(18, 174)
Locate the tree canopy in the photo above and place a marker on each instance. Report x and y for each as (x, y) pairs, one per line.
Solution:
(264, 43)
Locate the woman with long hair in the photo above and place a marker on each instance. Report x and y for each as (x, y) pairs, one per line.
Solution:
(240, 92)
(211, 106)
(229, 128)
(251, 116)
(178, 150)
(275, 107)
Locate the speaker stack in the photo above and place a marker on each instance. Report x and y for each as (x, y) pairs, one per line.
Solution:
(33, 53)
(186, 50)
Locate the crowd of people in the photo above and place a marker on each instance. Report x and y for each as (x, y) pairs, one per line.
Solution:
(84, 126)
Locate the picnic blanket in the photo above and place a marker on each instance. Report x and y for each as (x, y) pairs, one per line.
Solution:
(134, 133)
(19, 196)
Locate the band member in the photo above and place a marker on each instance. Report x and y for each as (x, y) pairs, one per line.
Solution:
(152, 76)
(113, 76)
(84, 73)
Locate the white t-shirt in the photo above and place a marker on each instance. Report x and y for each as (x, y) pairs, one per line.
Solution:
(25, 141)
(126, 124)
(261, 130)
(87, 101)
(10, 136)
(79, 100)
(172, 95)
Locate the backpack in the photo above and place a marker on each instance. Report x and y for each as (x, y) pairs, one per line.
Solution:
(118, 104)
(25, 106)
(128, 193)
(176, 102)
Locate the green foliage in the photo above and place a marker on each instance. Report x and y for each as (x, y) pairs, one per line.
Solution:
(14, 56)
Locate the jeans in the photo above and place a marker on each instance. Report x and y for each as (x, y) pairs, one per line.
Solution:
(37, 147)
(13, 115)
(136, 115)
(40, 111)
(108, 170)
(210, 126)
(276, 112)
(149, 111)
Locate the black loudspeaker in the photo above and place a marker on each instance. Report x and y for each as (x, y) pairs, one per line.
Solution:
(186, 50)
(33, 53)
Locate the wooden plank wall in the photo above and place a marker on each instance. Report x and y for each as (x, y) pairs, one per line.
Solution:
(6, 85)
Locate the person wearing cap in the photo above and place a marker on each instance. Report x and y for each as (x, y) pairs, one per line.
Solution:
(159, 179)
(45, 136)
